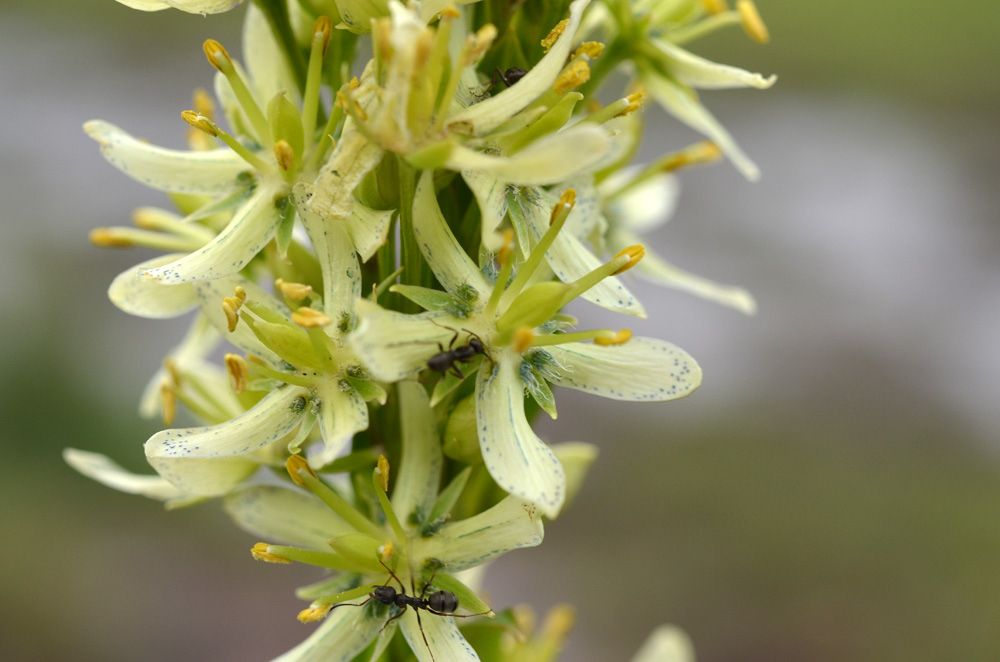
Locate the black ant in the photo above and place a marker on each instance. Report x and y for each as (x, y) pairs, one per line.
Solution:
(509, 77)
(440, 603)
(445, 360)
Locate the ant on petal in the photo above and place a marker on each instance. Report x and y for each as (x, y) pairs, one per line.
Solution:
(446, 360)
(439, 603)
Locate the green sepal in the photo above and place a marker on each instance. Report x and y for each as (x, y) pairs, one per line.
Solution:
(535, 305)
(450, 382)
(550, 122)
(435, 300)
(432, 157)
(467, 598)
(356, 461)
(283, 237)
(445, 502)
(367, 389)
(358, 549)
(286, 124)
(461, 436)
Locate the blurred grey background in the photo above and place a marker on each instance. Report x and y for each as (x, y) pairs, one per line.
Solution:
(830, 493)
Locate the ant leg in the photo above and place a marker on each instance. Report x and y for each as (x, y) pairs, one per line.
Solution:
(453, 338)
(384, 625)
(392, 574)
(423, 634)
(351, 604)
(456, 372)
(441, 613)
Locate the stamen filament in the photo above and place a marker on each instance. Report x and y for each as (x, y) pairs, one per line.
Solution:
(560, 212)
(119, 237)
(322, 32)
(576, 336)
(311, 557)
(151, 218)
(220, 59)
(506, 266)
(268, 372)
(704, 27)
(326, 140)
(383, 499)
(304, 476)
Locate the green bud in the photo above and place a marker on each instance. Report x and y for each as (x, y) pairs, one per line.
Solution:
(535, 306)
(286, 123)
(461, 440)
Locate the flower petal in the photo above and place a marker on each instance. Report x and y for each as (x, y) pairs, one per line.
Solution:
(353, 158)
(640, 369)
(511, 524)
(696, 71)
(644, 207)
(252, 226)
(434, 638)
(570, 259)
(667, 644)
(189, 6)
(515, 457)
(346, 632)
(491, 194)
(393, 346)
(658, 270)
(419, 475)
(185, 456)
(682, 103)
(284, 515)
(266, 63)
(487, 115)
(342, 414)
(368, 228)
(105, 471)
(173, 171)
(137, 295)
(452, 266)
(210, 295)
(550, 159)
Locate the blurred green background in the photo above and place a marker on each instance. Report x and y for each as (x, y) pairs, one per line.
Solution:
(830, 493)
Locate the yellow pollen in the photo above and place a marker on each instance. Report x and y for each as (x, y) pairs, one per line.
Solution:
(507, 248)
(383, 469)
(325, 26)
(261, 553)
(108, 238)
(296, 463)
(240, 293)
(451, 12)
(572, 76)
(293, 291)
(565, 205)
(523, 339)
(553, 36)
(619, 338)
(168, 403)
(700, 153)
(199, 122)
(752, 23)
(203, 103)
(284, 154)
(481, 43)
(217, 55)
(591, 49)
(313, 614)
(310, 318)
(230, 308)
(386, 551)
(354, 84)
(635, 101)
(714, 6)
(559, 622)
(635, 252)
(239, 373)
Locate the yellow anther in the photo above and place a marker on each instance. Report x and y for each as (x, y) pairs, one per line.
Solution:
(217, 55)
(572, 76)
(383, 472)
(239, 373)
(295, 464)
(565, 205)
(700, 153)
(635, 101)
(310, 318)
(203, 103)
(524, 617)
(386, 551)
(553, 36)
(507, 248)
(714, 6)
(170, 367)
(284, 154)
(168, 403)
(354, 84)
(635, 252)
(559, 622)
(199, 122)
(230, 308)
(450, 12)
(619, 338)
(313, 614)
(481, 42)
(108, 238)
(240, 293)
(324, 26)
(261, 553)
(752, 23)
(293, 291)
(523, 339)
(591, 49)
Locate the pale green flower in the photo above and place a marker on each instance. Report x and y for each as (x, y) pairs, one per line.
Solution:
(416, 538)
(667, 643)
(190, 6)
(396, 108)
(525, 343)
(651, 35)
